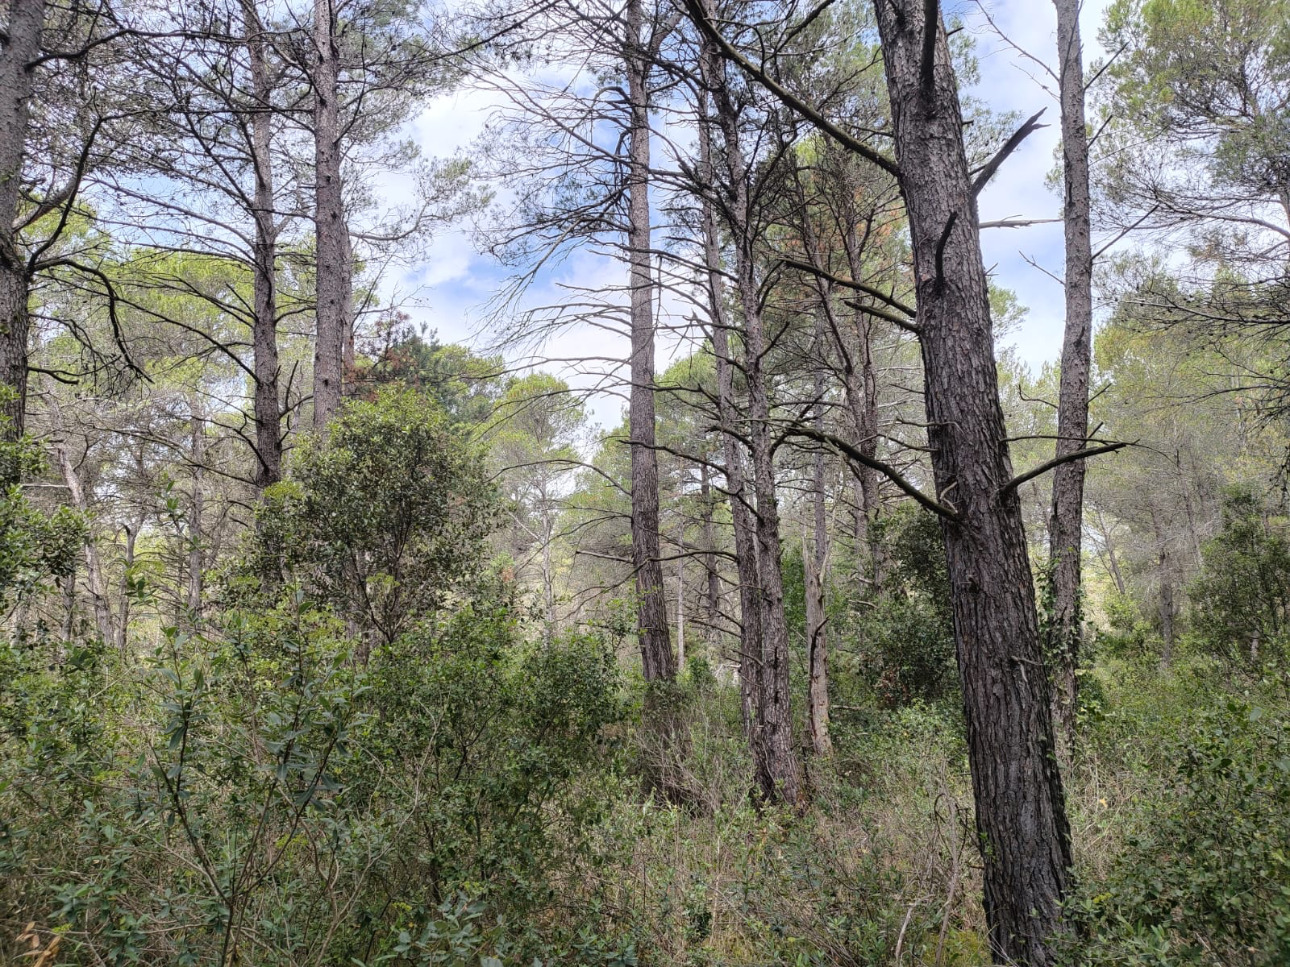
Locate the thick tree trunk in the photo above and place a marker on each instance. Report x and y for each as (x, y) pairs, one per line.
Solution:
(334, 280)
(813, 565)
(1065, 529)
(264, 337)
(21, 46)
(1020, 805)
(775, 694)
(652, 623)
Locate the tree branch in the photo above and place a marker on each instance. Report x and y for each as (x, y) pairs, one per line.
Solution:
(1043, 468)
(1026, 130)
(853, 453)
(787, 97)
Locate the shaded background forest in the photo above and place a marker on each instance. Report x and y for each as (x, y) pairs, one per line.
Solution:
(328, 642)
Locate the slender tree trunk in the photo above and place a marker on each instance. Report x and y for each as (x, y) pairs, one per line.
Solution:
(775, 694)
(548, 566)
(334, 280)
(1021, 820)
(21, 46)
(1065, 530)
(745, 537)
(123, 627)
(196, 534)
(93, 567)
(813, 567)
(712, 600)
(264, 336)
(1166, 591)
(652, 623)
(680, 613)
(862, 393)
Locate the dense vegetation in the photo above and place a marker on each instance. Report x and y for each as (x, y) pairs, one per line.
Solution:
(856, 641)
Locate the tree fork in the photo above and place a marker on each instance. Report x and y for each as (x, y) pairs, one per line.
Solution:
(1020, 804)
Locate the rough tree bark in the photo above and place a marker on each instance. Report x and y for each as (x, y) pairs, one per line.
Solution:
(1065, 530)
(741, 516)
(21, 45)
(264, 337)
(813, 560)
(334, 280)
(652, 623)
(775, 694)
(1020, 804)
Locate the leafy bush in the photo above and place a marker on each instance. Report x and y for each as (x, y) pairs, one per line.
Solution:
(383, 519)
(905, 637)
(1240, 601)
(1204, 874)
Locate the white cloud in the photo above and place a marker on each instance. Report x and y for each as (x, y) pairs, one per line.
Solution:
(449, 283)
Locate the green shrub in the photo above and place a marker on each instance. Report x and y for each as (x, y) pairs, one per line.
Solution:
(384, 519)
(1204, 873)
(1240, 601)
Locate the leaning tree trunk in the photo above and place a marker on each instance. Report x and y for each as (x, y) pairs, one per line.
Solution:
(1020, 805)
(264, 325)
(1065, 529)
(334, 280)
(652, 627)
(775, 694)
(20, 48)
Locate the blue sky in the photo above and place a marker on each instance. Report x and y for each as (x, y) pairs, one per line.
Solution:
(446, 285)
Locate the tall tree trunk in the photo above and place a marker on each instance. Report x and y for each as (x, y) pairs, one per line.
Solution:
(1065, 529)
(1166, 590)
(775, 694)
(680, 612)
(264, 336)
(334, 280)
(862, 391)
(712, 599)
(741, 516)
(652, 623)
(1023, 832)
(196, 534)
(21, 47)
(813, 568)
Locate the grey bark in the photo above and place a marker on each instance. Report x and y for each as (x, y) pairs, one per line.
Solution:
(785, 772)
(1023, 832)
(745, 538)
(712, 599)
(817, 645)
(21, 47)
(652, 622)
(1065, 528)
(196, 534)
(264, 338)
(332, 247)
(93, 566)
